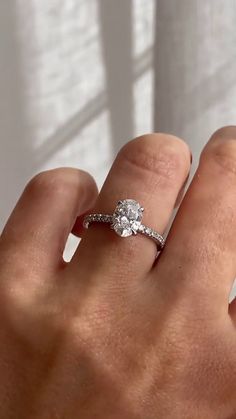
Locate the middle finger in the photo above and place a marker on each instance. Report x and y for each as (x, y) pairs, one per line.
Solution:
(199, 258)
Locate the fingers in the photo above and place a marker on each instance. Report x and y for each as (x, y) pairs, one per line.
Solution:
(37, 230)
(199, 259)
(150, 169)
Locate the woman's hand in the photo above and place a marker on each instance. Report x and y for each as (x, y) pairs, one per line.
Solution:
(112, 334)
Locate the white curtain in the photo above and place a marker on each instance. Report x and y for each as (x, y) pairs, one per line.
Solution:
(76, 82)
(195, 68)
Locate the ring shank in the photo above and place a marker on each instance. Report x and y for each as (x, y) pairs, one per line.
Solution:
(146, 231)
(152, 234)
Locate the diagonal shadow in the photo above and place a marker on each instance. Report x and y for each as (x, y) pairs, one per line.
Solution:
(143, 63)
(88, 113)
(205, 94)
(72, 127)
(212, 89)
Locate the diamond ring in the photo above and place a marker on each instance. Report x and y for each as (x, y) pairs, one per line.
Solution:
(126, 221)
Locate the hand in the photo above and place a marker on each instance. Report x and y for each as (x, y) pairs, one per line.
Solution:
(112, 334)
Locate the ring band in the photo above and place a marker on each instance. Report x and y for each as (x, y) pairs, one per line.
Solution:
(126, 221)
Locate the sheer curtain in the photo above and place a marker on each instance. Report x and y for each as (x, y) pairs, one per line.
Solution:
(76, 82)
(195, 68)
(80, 78)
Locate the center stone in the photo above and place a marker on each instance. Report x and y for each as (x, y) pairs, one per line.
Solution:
(127, 217)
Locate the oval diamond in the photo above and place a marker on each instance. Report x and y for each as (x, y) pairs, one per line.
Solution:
(127, 217)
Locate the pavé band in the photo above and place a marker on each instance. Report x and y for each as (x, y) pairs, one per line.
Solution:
(126, 221)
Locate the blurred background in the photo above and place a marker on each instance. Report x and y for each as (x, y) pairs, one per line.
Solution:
(79, 78)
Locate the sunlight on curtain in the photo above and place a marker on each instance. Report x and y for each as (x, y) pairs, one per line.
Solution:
(65, 85)
(73, 112)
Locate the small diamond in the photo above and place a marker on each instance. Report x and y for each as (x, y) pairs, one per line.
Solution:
(141, 228)
(127, 217)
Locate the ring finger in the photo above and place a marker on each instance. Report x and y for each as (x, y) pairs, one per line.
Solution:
(152, 170)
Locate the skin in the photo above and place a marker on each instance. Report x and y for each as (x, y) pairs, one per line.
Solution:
(114, 334)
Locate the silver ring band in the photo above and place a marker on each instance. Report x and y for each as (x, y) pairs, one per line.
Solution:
(126, 221)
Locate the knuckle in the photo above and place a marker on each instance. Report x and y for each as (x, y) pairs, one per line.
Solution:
(50, 182)
(163, 155)
(222, 149)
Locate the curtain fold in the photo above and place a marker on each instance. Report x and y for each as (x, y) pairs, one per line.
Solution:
(195, 68)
